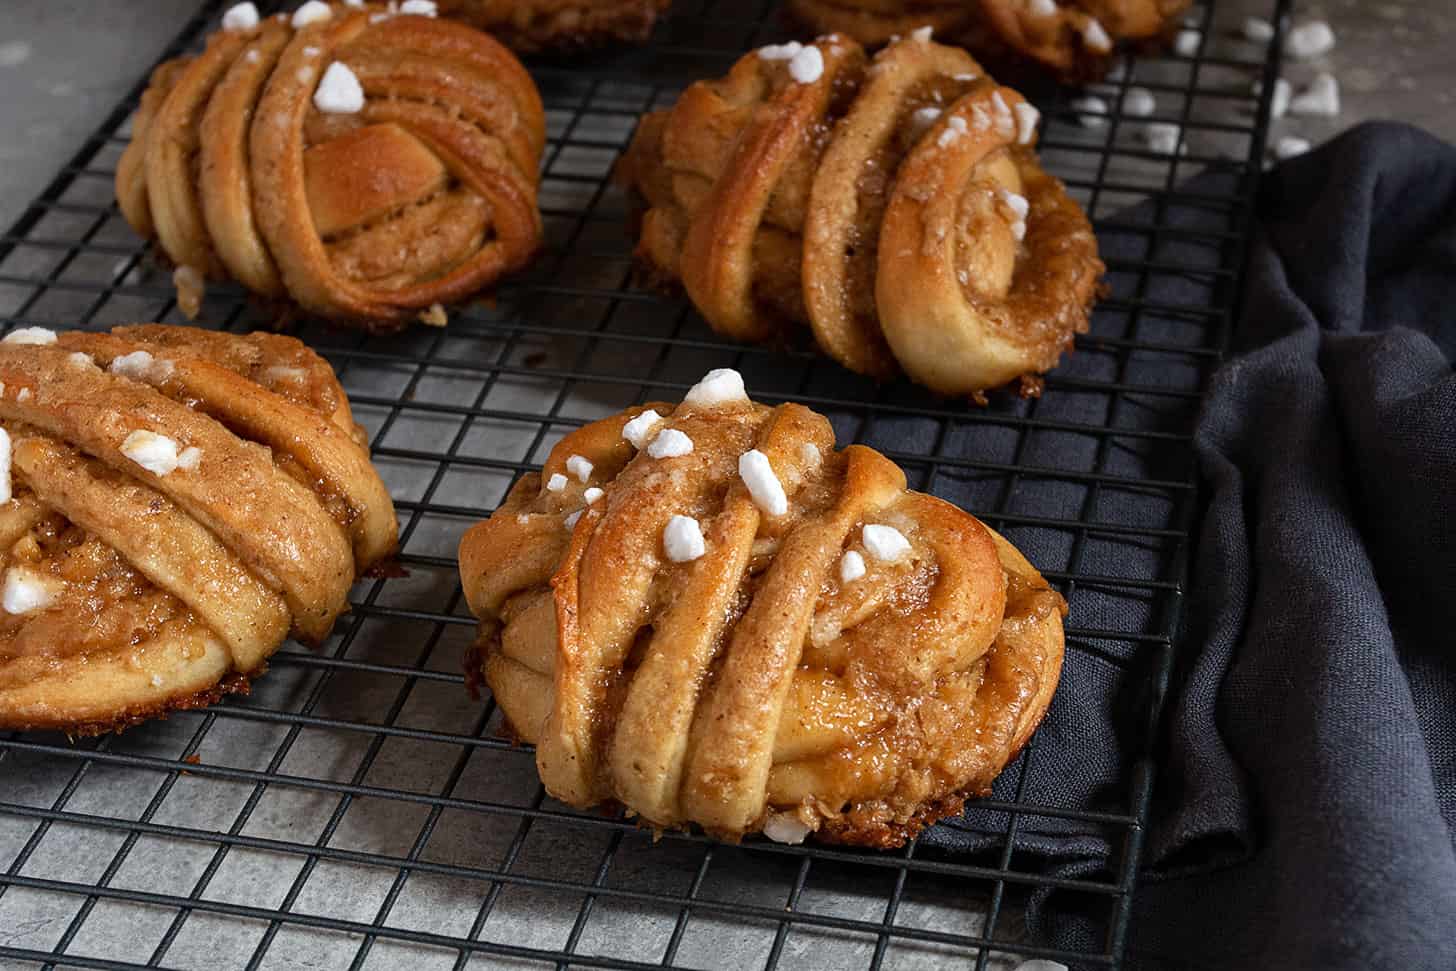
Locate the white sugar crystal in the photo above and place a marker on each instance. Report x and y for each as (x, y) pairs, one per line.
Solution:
(1139, 102)
(670, 444)
(420, 8)
(780, 52)
(339, 91)
(763, 485)
(1309, 40)
(785, 828)
(579, 466)
(718, 385)
(556, 483)
(312, 12)
(1321, 98)
(851, 567)
(682, 539)
(78, 359)
(1289, 146)
(30, 335)
(5, 487)
(571, 519)
(592, 495)
(1096, 37)
(1163, 137)
(922, 34)
(23, 394)
(240, 16)
(807, 66)
(1042, 8)
(1091, 111)
(885, 542)
(155, 453)
(1040, 964)
(1017, 203)
(1026, 119)
(311, 51)
(156, 681)
(1283, 94)
(1257, 30)
(921, 120)
(354, 3)
(141, 366)
(809, 454)
(955, 127)
(964, 77)
(1187, 42)
(1002, 112)
(640, 428)
(189, 458)
(27, 590)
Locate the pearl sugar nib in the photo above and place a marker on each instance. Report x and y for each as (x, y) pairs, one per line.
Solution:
(717, 387)
(682, 539)
(763, 484)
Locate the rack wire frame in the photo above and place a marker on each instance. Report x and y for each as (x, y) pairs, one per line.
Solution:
(434, 825)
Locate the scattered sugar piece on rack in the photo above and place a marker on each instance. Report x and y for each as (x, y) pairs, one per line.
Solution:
(1289, 146)
(1283, 94)
(1117, 72)
(670, 444)
(312, 12)
(1163, 137)
(1042, 8)
(189, 458)
(955, 127)
(571, 518)
(1091, 111)
(26, 590)
(420, 8)
(785, 828)
(155, 453)
(1258, 30)
(922, 34)
(1309, 40)
(780, 52)
(240, 16)
(556, 483)
(763, 485)
(1321, 98)
(1026, 121)
(884, 542)
(339, 91)
(579, 466)
(682, 539)
(809, 454)
(718, 386)
(1139, 102)
(807, 66)
(1188, 42)
(5, 488)
(851, 567)
(638, 429)
(592, 495)
(30, 335)
(1096, 37)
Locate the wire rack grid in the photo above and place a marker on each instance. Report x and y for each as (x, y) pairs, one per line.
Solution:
(358, 809)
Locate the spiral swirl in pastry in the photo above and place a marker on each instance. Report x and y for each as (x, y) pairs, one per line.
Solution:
(1072, 39)
(896, 206)
(708, 614)
(369, 166)
(177, 502)
(557, 26)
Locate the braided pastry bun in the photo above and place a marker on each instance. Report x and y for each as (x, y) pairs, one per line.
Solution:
(896, 206)
(177, 502)
(1072, 39)
(370, 166)
(559, 26)
(709, 615)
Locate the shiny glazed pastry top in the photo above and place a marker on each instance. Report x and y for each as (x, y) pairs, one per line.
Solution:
(175, 503)
(368, 165)
(708, 614)
(895, 205)
(559, 26)
(1072, 39)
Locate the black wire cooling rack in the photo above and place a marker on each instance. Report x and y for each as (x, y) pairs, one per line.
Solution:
(359, 809)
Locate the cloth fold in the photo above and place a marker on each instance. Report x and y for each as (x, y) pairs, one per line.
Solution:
(1305, 806)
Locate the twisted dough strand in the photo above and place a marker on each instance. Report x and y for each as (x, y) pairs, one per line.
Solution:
(423, 196)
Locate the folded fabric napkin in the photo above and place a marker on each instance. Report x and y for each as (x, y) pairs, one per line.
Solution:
(1305, 806)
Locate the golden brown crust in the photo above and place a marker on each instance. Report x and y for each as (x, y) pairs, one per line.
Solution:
(1073, 40)
(897, 208)
(134, 581)
(559, 26)
(754, 685)
(422, 197)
